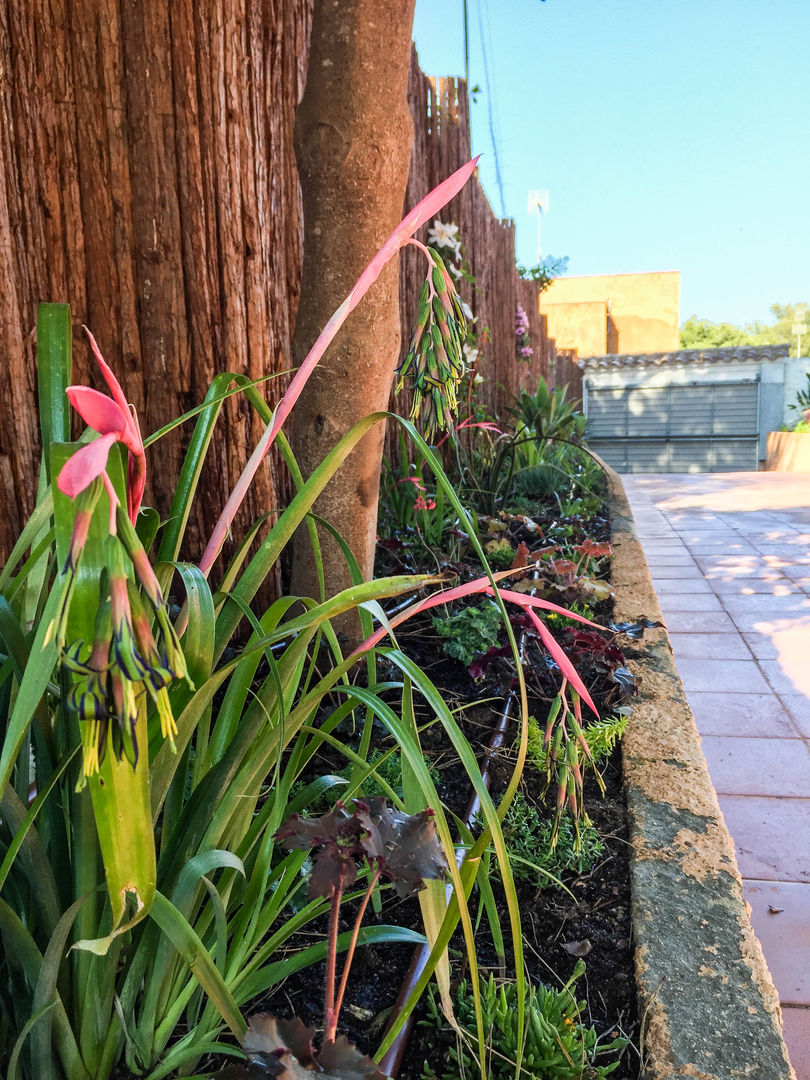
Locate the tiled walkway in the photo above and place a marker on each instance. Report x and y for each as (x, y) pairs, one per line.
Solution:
(729, 556)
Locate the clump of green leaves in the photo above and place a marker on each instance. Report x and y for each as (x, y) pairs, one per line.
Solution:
(601, 737)
(557, 1045)
(469, 631)
(533, 858)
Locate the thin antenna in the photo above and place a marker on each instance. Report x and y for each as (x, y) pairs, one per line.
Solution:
(538, 204)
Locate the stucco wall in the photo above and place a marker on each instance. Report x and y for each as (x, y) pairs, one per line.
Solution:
(640, 312)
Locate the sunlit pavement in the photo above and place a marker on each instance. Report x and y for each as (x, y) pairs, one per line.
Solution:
(729, 555)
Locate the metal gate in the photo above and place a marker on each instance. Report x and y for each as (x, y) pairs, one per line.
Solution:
(709, 427)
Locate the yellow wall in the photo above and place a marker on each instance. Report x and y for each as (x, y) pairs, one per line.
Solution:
(614, 313)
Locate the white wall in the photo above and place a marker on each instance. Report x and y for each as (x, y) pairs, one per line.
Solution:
(796, 370)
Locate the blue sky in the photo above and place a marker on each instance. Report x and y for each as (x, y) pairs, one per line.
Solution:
(670, 135)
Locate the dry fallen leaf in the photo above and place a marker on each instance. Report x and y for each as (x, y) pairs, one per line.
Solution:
(578, 948)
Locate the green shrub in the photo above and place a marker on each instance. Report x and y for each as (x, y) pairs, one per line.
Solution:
(557, 1045)
(529, 843)
(470, 631)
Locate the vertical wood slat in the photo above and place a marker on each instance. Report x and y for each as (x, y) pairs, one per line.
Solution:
(147, 177)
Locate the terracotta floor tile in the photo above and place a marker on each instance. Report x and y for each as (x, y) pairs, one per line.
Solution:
(718, 712)
(700, 622)
(759, 828)
(796, 1030)
(798, 705)
(743, 766)
(688, 601)
(719, 646)
(708, 673)
(780, 913)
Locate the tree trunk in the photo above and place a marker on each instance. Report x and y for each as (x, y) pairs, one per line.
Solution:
(353, 136)
(147, 177)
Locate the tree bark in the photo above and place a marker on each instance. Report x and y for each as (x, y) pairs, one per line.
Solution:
(353, 136)
(147, 177)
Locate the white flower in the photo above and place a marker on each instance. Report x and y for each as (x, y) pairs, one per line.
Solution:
(445, 236)
(478, 379)
(454, 270)
(470, 355)
(467, 310)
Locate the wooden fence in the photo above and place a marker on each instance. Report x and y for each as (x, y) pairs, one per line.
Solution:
(442, 144)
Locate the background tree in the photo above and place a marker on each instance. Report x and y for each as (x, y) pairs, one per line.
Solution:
(703, 334)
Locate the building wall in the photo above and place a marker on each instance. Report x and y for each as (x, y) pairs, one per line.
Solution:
(614, 313)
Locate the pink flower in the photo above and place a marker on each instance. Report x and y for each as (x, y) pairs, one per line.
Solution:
(115, 421)
(421, 504)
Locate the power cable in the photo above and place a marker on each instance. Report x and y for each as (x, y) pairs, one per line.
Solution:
(491, 107)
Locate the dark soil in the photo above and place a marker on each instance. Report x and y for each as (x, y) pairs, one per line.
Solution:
(594, 921)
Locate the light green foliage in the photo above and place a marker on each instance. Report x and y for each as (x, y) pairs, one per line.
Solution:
(703, 334)
(529, 842)
(546, 271)
(558, 1045)
(600, 735)
(470, 631)
(270, 689)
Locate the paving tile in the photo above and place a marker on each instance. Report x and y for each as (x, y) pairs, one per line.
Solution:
(770, 646)
(657, 546)
(746, 586)
(712, 547)
(718, 712)
(798, 705)
(797, 572)
(707, 673)
(676, 601)
(733, 566)
(796, 1030)
(788, 675)
(743, 766)
(789, 604)
(759, 828)
(713, 538)
(771, 622)
(680, 560)
(699, 622)
(719, 646)
(780, 914)
(691, 581)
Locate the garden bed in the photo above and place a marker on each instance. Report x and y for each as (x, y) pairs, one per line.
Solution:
(588, 920)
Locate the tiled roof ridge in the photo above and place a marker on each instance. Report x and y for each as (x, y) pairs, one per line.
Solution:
(686, 356)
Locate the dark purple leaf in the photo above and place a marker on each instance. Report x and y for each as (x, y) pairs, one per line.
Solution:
(628, 682)
(284, 1049)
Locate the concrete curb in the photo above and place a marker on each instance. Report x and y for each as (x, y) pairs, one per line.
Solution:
(707, 1002)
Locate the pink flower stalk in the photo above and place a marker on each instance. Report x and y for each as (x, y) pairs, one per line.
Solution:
(115, 421)
(425, 209)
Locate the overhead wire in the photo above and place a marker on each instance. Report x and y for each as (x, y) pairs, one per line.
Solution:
(489, 82)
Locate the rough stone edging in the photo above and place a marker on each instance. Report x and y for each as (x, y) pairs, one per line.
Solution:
(708, 1005)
